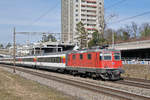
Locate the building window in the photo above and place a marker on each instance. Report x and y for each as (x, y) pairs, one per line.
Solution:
(83, 15)
(83, 19)
(91, 24)
(82, 10)
(83, 1)
(76, 14)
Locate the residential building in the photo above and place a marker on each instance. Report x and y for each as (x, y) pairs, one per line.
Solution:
(67, 20)
(89, 12)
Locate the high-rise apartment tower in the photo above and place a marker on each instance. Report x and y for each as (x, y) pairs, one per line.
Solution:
(89, 12)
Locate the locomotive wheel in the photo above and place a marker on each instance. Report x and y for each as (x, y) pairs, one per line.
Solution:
(60, 70)
(105, 77)
(74, 73)
(83, 75)
(35, 67)
(89, 74)
(94, 76)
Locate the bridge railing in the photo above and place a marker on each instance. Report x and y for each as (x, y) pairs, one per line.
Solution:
(136, 61)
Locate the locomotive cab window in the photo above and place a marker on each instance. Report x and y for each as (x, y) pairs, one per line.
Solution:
(107, 56)
(117, 56)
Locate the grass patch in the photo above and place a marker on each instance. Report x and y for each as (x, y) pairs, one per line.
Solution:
(137, 71)
(14, 87)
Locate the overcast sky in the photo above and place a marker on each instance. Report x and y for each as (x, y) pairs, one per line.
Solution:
(45, 15)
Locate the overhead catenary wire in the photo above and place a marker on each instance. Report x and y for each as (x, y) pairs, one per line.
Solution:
(115, 4)
(39, 18)
(44, 14)
(132, 17)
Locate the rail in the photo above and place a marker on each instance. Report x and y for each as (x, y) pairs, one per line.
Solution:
(88, 86)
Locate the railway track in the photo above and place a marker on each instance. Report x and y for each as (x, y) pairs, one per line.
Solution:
(88, 86)
(135, 82)
(144, 84)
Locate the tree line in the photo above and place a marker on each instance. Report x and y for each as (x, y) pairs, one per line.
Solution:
(130, 32)
(5, 47)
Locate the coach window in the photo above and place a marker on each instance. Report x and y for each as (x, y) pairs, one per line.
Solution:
(81, 56)
(89, 56)
(53, 59)
(44, 60)
(74, 57)
(50, 59)
(47, 59)
(40, 59)
(58, 60)
(29, 59)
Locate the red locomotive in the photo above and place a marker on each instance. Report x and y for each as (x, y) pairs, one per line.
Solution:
(97, 63)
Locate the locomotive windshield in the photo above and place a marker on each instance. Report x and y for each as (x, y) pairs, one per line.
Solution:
(117, 56)
(106, 56)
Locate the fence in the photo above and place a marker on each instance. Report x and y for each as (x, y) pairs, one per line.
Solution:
(136, 61)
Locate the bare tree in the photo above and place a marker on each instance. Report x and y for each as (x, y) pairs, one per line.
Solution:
(145, 30)
(134, 29)
(8, 45)
(1, 46)
(128, 29)
(108, 34)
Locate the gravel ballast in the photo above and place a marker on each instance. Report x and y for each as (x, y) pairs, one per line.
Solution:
(125, 88)
(80, 94)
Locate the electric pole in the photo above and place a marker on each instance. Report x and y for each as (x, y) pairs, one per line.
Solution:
(14, 49)
(113, 40)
